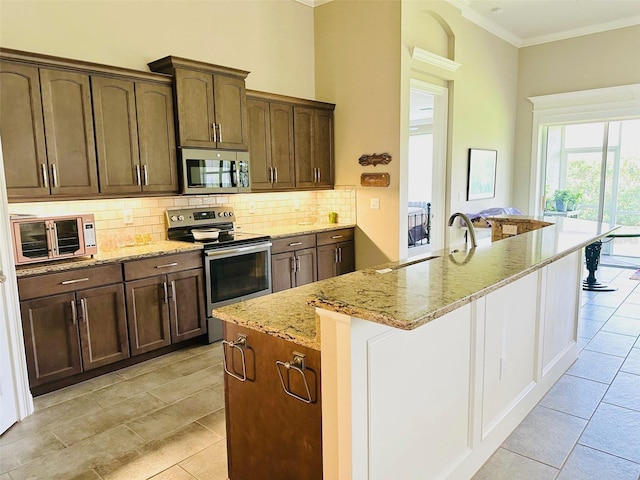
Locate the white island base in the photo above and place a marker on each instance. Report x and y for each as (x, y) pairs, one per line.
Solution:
(436, 402)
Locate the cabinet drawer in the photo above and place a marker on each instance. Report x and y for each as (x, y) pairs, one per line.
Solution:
(335, 236)
(290, 244)
(80, 279)
(161, 265)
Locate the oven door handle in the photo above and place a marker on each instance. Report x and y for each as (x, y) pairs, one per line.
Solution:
(252, 248)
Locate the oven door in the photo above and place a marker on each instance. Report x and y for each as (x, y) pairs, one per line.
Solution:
(237, 273)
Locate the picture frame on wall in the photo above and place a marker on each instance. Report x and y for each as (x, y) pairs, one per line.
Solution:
(481, 179)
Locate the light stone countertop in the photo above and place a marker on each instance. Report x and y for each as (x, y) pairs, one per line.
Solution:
(123, 254)
(415, 291)
(289, 230)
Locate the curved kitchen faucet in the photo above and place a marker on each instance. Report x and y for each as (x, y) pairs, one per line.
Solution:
(472, 232)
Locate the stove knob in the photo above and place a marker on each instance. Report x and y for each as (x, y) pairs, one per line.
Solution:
(174, 218)
(181, 217)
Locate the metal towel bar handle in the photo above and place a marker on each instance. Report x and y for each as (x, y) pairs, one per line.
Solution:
(298, 364)
(240, 343)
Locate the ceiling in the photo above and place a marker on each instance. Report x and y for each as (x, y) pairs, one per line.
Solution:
(530, 22)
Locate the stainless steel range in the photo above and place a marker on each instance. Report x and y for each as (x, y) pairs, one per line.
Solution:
(237, 265)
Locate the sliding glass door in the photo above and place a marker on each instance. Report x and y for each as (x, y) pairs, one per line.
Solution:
(593, 173)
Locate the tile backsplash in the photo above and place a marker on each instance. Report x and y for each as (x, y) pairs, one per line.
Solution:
(254, 211)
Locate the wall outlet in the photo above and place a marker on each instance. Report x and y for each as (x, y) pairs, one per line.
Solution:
(374, 203)
(252, 207)
(460, 197)
(296, 204)
(127, 216)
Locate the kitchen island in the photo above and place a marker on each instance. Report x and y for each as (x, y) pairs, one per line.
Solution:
(429, 364)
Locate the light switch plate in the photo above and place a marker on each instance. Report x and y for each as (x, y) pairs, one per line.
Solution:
(509, 229)
(127, 216)
(374, 203)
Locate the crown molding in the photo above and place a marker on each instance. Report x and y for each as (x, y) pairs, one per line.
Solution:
(313, 3)
(429, 58)
(597, 96)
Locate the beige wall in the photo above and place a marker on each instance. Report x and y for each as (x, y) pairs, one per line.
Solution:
(270, 38)
(358, 67)
(600, 60)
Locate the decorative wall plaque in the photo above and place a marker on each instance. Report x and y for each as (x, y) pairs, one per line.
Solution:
(375, 179)
(375, 159)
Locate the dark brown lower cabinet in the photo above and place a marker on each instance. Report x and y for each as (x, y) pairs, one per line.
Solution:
(74, 332)
(293, 269)
(148, 309)
(271, 434)
(186, 307)
(335, 259)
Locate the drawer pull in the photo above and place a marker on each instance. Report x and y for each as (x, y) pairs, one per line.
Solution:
(74, 312)
(295, 244)
(83, 308)
(334, 237)
(298, 364)
(240, 343)
(71, 282)
(167, 265)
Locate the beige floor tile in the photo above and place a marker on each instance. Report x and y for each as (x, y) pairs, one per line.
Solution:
(133, 386)
(174, 473)
(209, 464)
(194, 363)
(216, 422)
(82, 456)
(5, 476)
(178, 414)
(158, 362)
(48, 417)
(189, 384)
(27, 449)
(64, 394)
(119, 413)
(88, 475)
(159, 455)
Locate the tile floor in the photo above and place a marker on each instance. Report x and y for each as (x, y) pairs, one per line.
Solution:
(164, 419)
(587, 427)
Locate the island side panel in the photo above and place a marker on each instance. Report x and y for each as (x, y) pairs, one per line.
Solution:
(271, 434)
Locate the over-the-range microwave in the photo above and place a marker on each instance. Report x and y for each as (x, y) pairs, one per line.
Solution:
(42, 238)
(214, 171)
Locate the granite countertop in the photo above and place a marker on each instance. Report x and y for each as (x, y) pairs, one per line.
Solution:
(289, 230)
(409, 293)
(119, 255)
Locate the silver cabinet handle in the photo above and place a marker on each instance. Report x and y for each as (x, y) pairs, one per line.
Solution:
(334, 237)
(175, 304)
(145, 174)
(167, 265)
(220, 133)
(275, 176)
(166, 294)
(138, 180)
(240, 343)
(270, 175)
(294, 244)
(298, 364)
(339, 254)
(54, 175)
(74, 312)
(213, 127)
(293, 264)
(335, 255)
(45, 177)
(297, 264)
(83, 308)
(77, 280)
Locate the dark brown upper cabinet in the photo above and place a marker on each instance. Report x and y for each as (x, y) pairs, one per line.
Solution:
(314, 147)
(211, 103)
(134, 136)
(48, 109)
(270, 145)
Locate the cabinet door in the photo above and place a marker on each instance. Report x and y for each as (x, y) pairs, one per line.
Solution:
(323, 147)
(194, 93)
(305, 266)
(22, 127)
(327, 256)
(303, 125)
(154, 109)
(346, 258)
(186, 304)
(103, 326)
(114, 110)
(293, 427)
(282, 145)
(230, 112)
(282, 275)
(68, 126)
(51, 340)
(148, 314)
(259, 144)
